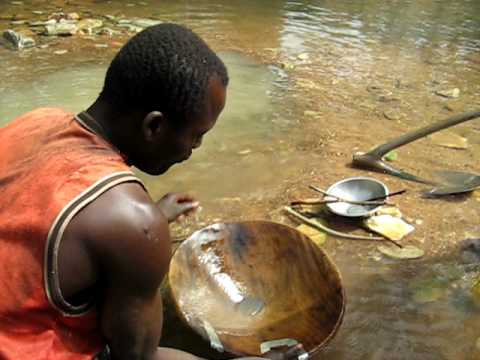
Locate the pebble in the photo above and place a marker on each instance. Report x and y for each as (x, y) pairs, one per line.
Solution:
(18, 40)
(453, 94)
(145, 22)
(37, 12)
(60, 52)
(107, 31)
(131, 28)
(453, 107)
(62, 28)
(244, 152)
(73, 16)
(88, 25)
(287, 66)
(392, 114)
(101, 46)
(303, 56)
(43, 23)
(17, 3)
(310, 113)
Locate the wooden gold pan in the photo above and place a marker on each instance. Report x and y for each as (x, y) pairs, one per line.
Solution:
(241, 284)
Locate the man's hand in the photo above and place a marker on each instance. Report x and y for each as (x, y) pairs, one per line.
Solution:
(176, 206)
(291, 353)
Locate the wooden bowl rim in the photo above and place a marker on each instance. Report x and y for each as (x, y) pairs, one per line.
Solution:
(334, 267)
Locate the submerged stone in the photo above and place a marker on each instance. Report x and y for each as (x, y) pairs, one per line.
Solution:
(88, 25)
(143, 23)
(427, 290)
(392, 114)
(43, 23)
(449, 140)
(470, 249)
(130, 27)
(60, 29)
(452, 94)
(72, 16)
(303, 56)
(17, 40)
(405, 253)
(107, 31)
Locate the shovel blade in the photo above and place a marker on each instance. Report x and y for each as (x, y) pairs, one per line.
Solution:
(456, 182)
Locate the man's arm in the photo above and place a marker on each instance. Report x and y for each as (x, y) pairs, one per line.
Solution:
(127, 239)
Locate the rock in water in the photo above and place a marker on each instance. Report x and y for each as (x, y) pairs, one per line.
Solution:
(450, 140)
(452, 94)
(143, 23)
(73, 16)
(407, 252)
(17, 40)
(470, 250)
(303, 56)
(88, 25)
(392, 114)
(60, 29)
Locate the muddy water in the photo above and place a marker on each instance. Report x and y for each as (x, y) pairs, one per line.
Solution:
(313, 82)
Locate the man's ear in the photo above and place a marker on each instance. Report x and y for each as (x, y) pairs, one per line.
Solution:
(153, 125)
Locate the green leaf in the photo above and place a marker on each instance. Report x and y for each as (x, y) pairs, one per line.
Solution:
(391, 156)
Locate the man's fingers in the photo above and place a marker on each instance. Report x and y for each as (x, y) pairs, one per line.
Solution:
(181, 198)
(295, 351)
(189, 206)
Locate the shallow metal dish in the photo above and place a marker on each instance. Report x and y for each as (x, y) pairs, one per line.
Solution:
(356, 189)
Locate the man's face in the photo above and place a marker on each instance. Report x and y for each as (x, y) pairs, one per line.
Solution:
(177, 144)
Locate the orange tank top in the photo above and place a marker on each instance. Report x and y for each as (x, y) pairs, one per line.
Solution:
(50, 168)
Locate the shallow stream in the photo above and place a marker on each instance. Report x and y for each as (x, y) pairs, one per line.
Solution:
(311, 83)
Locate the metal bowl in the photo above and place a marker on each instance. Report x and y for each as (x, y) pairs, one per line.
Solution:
(356, 189)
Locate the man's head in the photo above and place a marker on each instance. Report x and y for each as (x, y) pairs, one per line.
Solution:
(170, 87)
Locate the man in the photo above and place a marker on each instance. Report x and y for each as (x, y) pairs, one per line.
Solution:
(83, 246)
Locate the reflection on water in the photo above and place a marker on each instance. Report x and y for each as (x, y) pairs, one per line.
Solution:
(237, 158)
(73, 89)
(369, 71)
(241, 132)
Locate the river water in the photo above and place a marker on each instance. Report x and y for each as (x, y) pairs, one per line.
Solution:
(311, 83)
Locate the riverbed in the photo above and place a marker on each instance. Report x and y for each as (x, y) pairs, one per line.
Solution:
(312, 82)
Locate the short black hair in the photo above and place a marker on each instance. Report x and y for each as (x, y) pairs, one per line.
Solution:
(165, 67)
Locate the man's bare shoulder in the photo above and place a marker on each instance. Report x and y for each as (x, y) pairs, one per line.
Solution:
(122, 234)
